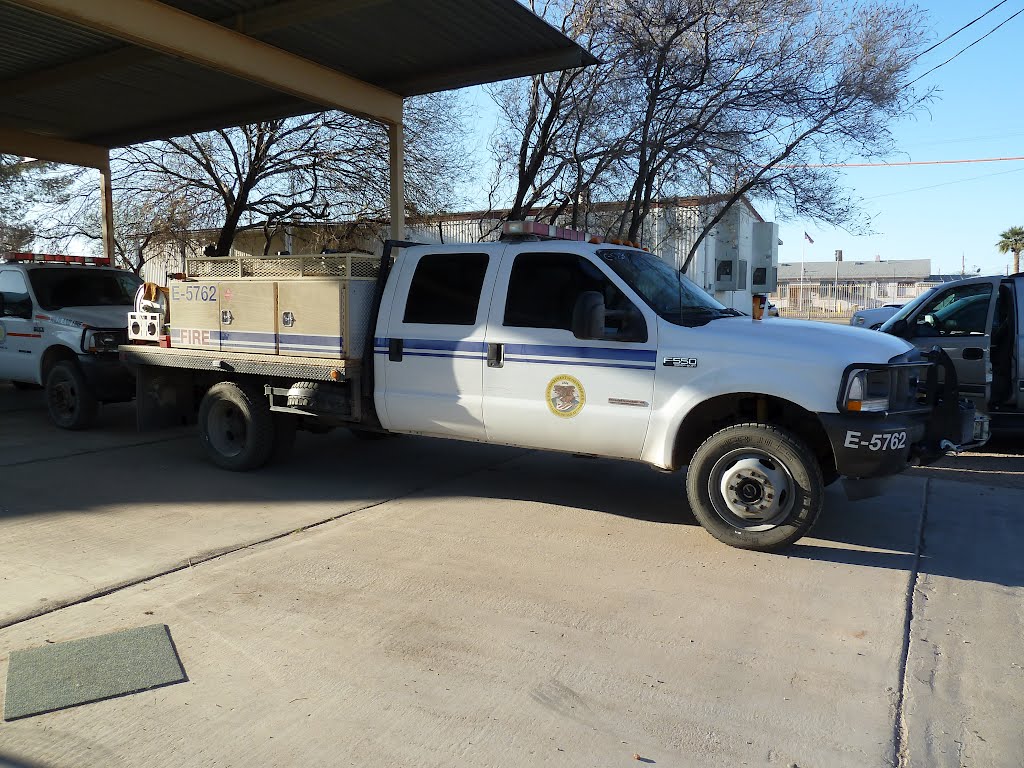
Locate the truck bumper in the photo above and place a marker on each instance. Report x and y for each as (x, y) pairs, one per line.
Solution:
(870, 447)
(110, 380)
(873, 446)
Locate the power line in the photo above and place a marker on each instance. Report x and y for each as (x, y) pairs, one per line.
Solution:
(965, 48)
(944, 184)
(950, 36)
(902, 162)
(964, 140)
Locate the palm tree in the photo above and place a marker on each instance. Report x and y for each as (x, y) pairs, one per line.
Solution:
(1012, 240)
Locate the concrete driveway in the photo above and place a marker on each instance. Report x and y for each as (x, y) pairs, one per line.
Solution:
(414, 602)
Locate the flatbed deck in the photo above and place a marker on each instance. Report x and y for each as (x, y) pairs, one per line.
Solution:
(285, 366)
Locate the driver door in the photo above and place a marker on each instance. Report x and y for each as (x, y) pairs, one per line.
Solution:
(959, 319)
(546, 388)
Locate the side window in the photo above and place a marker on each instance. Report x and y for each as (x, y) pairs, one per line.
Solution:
(15, 292)
(961, 311)
(445, 289)
(543, 288)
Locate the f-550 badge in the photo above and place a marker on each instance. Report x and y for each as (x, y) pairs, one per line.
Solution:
(680, 362)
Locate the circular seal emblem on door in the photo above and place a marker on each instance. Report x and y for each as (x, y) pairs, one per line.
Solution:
(566, 396)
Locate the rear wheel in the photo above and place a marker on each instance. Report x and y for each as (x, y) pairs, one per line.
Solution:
(236, 427)
(755, 486)
(69, 398)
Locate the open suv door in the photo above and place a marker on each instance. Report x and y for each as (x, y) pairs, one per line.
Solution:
(958, 318)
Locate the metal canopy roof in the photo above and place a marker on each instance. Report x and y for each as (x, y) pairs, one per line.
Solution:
(72, 81)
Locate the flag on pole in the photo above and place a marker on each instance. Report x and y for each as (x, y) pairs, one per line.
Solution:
(808, 238)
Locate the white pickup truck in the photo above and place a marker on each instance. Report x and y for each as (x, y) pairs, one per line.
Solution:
(62, 319)
(566, 345)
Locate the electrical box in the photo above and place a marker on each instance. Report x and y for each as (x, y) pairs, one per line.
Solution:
(727, 266)
(764, 257)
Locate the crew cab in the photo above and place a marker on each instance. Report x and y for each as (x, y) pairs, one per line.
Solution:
(61, 321)
(572, 344)
(979, 323)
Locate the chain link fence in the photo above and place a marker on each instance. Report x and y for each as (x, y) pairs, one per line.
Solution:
(838, 300)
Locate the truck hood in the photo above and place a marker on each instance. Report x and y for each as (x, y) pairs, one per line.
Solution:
(94, 317)
(796, 360)
(803, 340)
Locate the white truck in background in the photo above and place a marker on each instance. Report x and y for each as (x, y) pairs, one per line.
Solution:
(62, 319)
(550, 340)
(979, 323)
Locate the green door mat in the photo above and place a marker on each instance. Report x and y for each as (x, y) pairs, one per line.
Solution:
(79, 671)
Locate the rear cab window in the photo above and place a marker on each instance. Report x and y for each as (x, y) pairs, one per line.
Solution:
(446, 289)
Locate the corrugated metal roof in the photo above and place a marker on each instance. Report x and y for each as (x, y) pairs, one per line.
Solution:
(61, 80)
(893, 269)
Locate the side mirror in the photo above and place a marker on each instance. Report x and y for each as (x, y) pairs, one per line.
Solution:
(588, 316)
(900, 328)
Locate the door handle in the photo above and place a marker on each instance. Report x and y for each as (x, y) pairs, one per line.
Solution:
(973, 353)
(495, 355)
(395, 348)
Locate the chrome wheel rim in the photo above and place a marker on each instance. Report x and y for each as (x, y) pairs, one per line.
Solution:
(752, 490)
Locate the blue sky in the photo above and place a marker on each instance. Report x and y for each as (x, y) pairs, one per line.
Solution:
(978, 113)
(944, 213)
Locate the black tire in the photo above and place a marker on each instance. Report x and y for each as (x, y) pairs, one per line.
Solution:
(70, 398)
(778, 492)
(829, 476)
(319, 397)
(236, 426)
(25, 386)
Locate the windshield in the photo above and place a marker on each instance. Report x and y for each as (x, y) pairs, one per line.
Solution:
(59, 287)
(666, 291)
(908, 309)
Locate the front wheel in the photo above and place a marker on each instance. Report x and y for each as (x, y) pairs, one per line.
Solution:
(755, 486)
(69, 398)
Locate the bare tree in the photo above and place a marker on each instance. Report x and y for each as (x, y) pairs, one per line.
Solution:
(24, 183)
(560, 135)
(323, 167)
(725, 97)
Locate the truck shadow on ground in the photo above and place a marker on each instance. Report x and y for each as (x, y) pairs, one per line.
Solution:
(342, 473)
(874, 533)
(999, 463)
